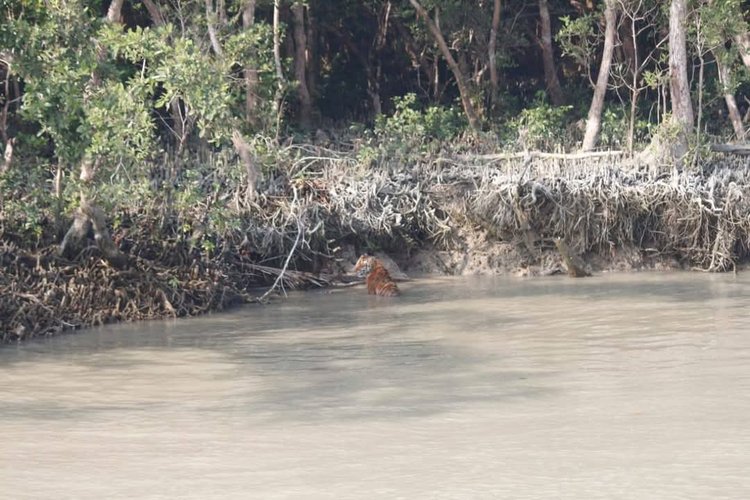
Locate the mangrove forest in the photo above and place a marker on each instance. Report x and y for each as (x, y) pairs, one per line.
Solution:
(173, 157)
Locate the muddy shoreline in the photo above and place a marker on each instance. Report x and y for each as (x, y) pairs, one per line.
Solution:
(46, 295)
(457, 217)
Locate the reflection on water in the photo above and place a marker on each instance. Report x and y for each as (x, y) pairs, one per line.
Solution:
(621, 386)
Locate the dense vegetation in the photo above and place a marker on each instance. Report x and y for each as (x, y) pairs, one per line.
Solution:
(172, 131)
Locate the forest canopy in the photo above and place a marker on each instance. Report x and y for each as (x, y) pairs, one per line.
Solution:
(128, 78)
(107, 101)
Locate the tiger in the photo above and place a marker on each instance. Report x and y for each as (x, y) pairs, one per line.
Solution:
(379, 281)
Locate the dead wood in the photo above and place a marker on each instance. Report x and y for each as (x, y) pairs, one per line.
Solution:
(737, 149)
(251, 167)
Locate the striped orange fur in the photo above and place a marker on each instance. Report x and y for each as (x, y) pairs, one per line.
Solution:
(379, 281)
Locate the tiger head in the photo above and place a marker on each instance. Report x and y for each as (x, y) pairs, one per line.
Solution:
(364, 265)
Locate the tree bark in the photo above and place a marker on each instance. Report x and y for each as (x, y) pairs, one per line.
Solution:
(550, 72)
(629, 46)
(679, 87)
(277, 45)
(210, 21)
(114, 12)
(88, 214)
(734, 113)
(5, 61)
(371, 74)
(251, 166)
(463, 90)
(594, 120)
(179, 126)
(154, 11)
(375, 54)
(300, 65)
(250, 72)
(492, 52)
(313, 66)
(743, 45)
(7, 159)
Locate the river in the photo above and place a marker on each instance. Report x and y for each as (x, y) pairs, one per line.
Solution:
(617, 386)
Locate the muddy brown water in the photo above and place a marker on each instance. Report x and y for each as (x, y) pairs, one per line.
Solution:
(618, 386)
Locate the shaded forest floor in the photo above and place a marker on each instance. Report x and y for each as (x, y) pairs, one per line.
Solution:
(448, 214)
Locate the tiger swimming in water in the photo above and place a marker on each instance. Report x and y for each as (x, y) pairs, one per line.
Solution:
(379, 281)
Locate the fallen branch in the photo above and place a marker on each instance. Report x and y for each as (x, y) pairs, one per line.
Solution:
(737, 149)
(288, 257)
(263, 297)
(540, 154)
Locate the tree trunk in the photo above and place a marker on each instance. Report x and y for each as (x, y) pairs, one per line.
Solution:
(629, 46)
(251, 165)
(277, 45)
(211, 18)
(492, 52)
(594, 120)
(5, 60)
(313, 66)
(88, 214)
(300, 66)
(371, 74)
(250, 72)
(734, 113)
(7, 159)
(743, 45)
(471, 113)
(550, 72)
(417, 59)
(114, 13)
(679, 87)
(375, 55)
(179, 125)
(155, 12)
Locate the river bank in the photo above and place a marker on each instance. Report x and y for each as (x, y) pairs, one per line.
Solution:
(457, 214)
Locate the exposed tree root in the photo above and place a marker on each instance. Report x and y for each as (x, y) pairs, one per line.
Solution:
(323, 200)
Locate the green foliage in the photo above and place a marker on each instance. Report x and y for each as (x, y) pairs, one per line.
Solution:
(579, 38)
(92, 89)
(55, 58)
(539, 127)
(410, 127)
(714, 27)
(24, 200)
(614, 131)
(119, 122)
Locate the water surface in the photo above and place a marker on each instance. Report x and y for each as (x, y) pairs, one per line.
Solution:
(618, 386)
